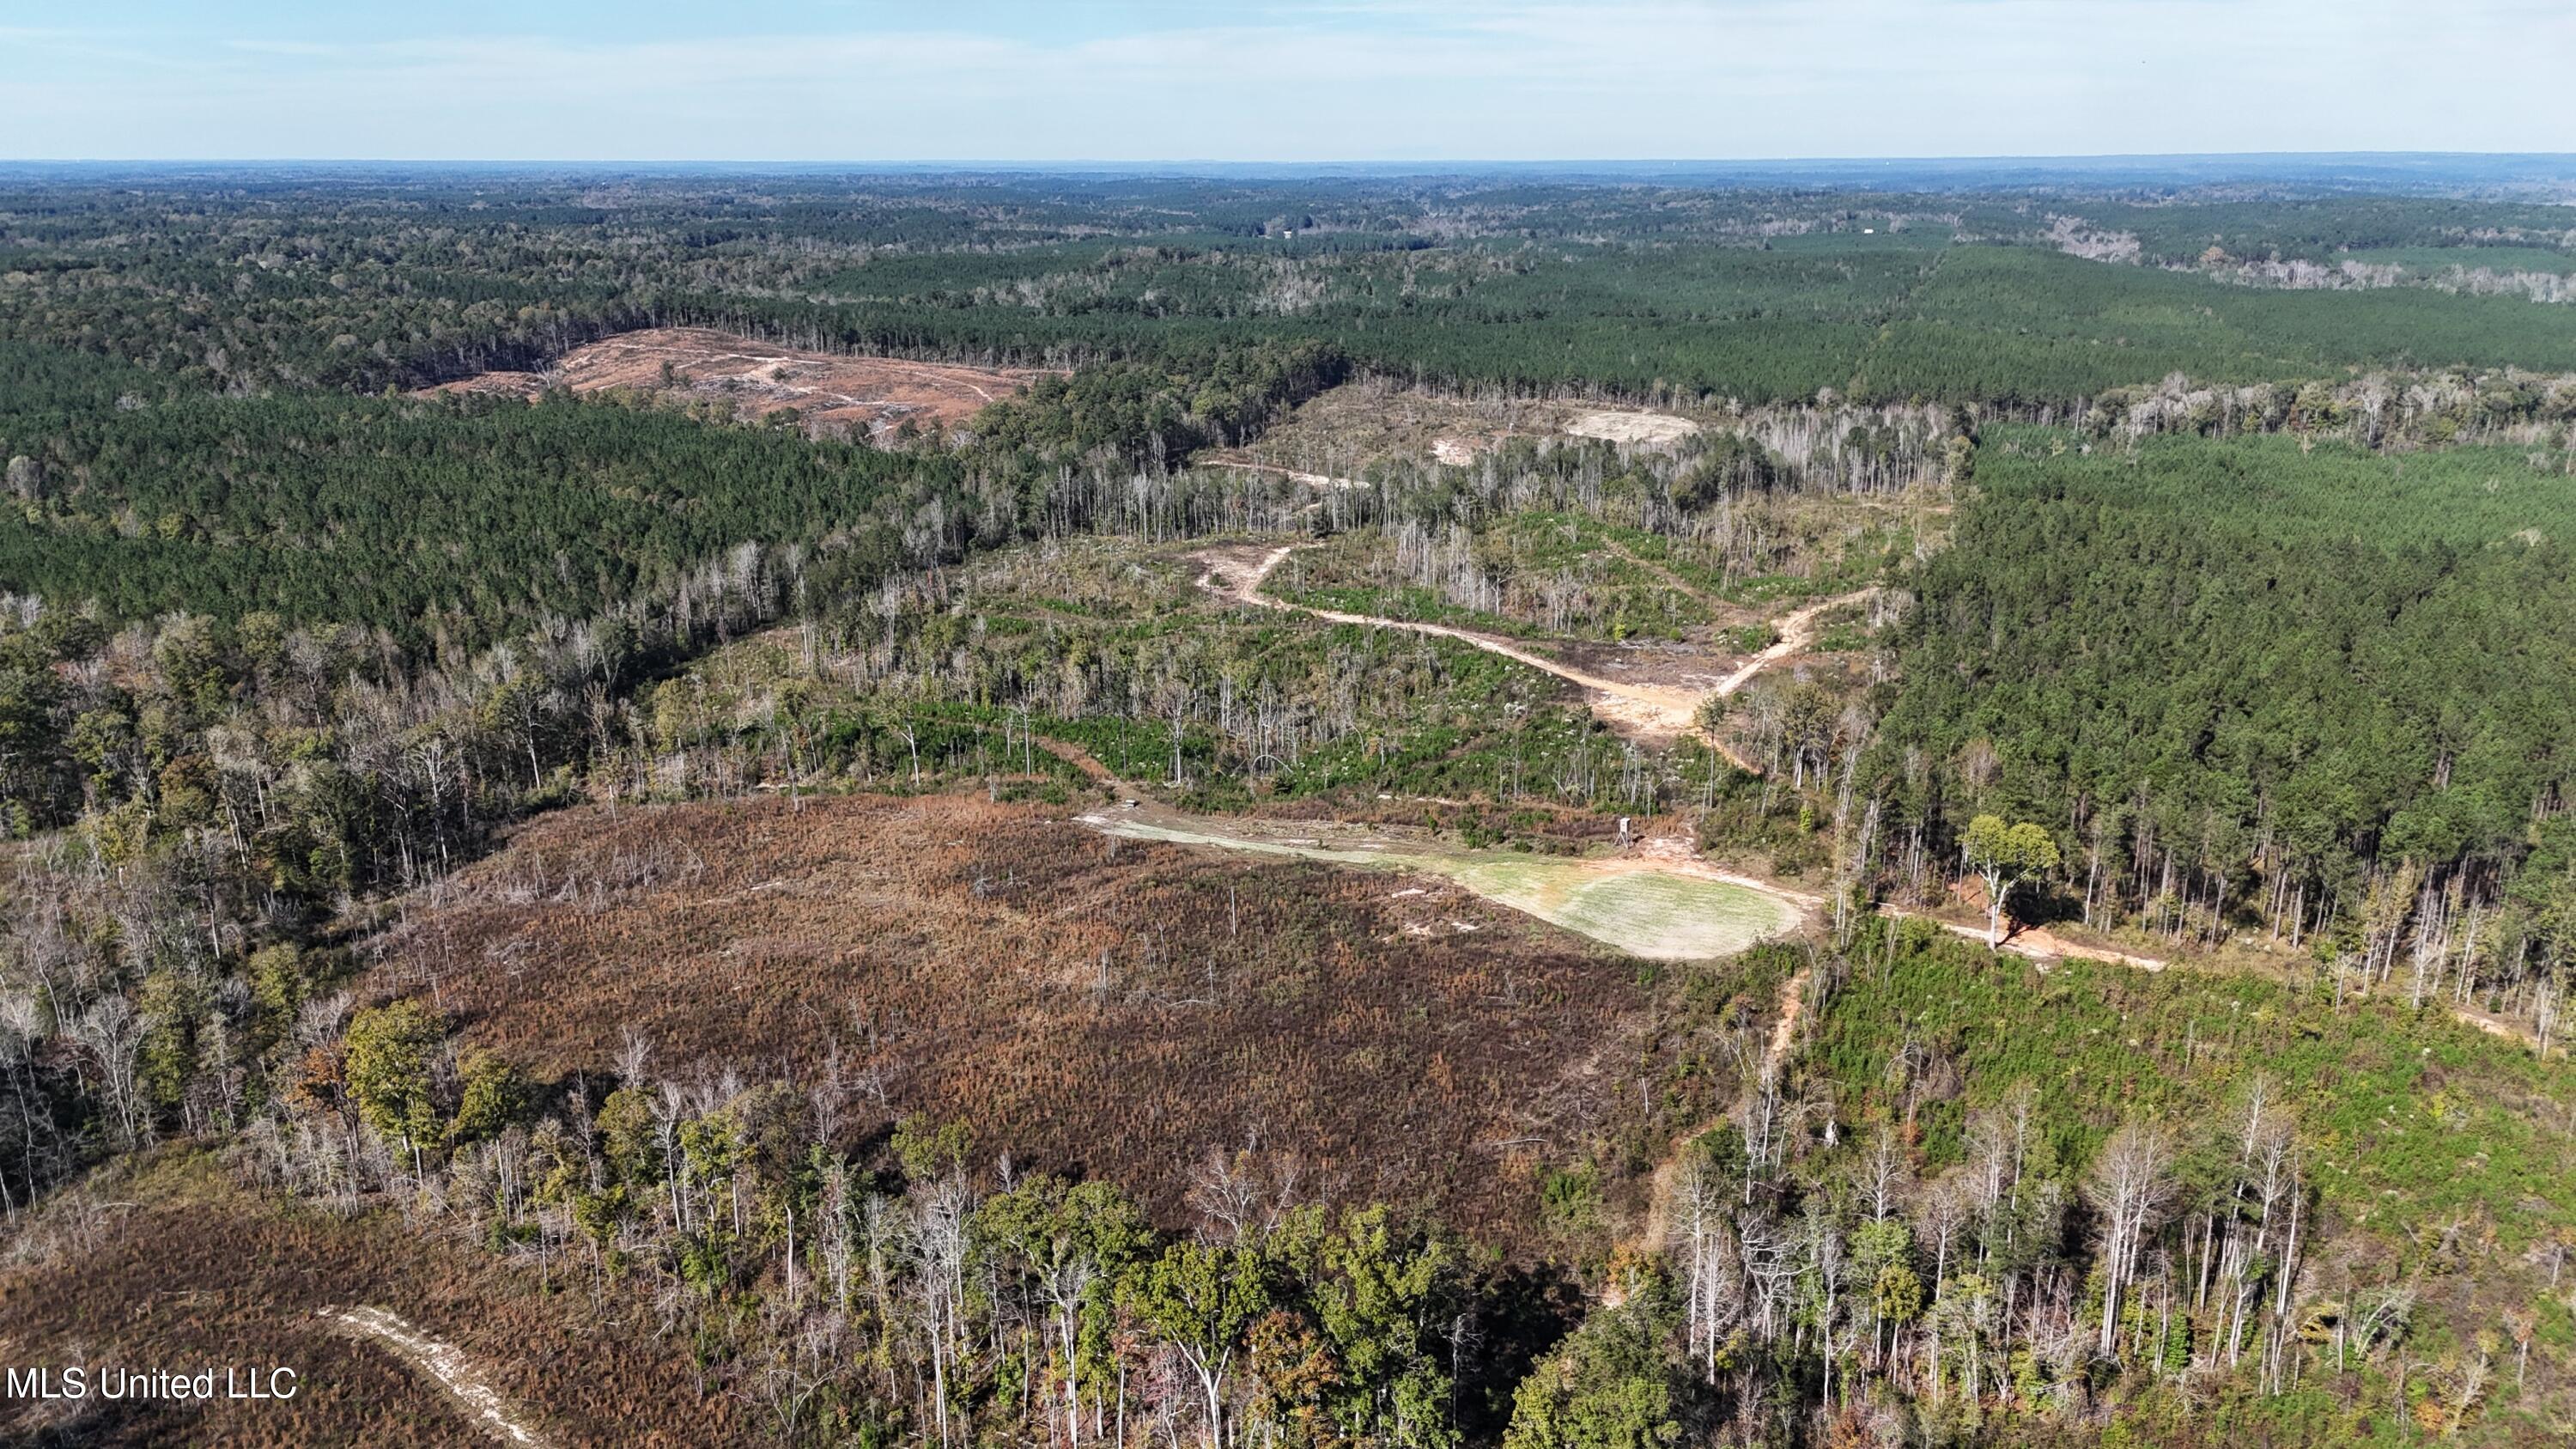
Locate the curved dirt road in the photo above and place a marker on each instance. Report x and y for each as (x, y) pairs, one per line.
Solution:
(1662, 712)
(1638, 710)
(444, 1365)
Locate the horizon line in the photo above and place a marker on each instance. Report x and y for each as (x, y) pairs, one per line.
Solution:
(1026, 163)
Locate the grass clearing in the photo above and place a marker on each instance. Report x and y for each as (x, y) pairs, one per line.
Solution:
(1637, 908)
(1649, 913)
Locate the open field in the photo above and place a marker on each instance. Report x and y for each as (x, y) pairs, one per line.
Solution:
(1109, 1006)
(830, 392)
(1645, 913)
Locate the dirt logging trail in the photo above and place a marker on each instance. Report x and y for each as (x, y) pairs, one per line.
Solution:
(1659, 712)
(1640, 711)
(2043, 945)
(1784, 1032)
(2493, 1025)
(1081, 759)
(1775, 1057)
(1797, 631)
(1311, 480)
(442, 1364)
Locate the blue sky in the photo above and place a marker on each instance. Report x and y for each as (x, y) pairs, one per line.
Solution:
(1337, 80)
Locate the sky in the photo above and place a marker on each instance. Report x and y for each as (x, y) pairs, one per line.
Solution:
(1331, 80)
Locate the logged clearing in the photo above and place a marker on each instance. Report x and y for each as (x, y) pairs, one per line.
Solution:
(1639, 710)
(1111, 1007)
(831, 392)
(1632, 429)
(1648, 905)
(1344, 429)
(171, 1263)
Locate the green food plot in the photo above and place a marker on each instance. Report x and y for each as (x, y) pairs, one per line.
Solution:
(1652, 914)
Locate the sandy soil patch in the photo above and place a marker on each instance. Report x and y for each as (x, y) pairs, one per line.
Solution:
(499, 384)
(1632, 429)
(832, 393)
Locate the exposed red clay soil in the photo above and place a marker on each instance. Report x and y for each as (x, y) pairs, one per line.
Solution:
(831, 392)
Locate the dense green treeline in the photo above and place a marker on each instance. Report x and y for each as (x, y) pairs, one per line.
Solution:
(1682, 293)
(2260, 677)
(456, 520)
(2027, 326)
(2324, 229)
(462, 520)
(1150, 415)
(366, 282)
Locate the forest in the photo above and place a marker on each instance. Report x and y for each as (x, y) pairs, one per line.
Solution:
(1761, 295)
(2305, 682)
(611, 877)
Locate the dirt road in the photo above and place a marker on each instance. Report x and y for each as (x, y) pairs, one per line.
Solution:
(1644, 711)
(2041, 944)
(2494, 1025)
(444, 1365)
(1080, 758)
(1659, 1185)
(1311, 480)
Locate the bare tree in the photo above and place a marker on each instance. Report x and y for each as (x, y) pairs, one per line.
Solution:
(112, 1032)
(1227, 1192)
(1883, 1174)
(1712, 1266)
(1941, 1213)
(941, 1214)
(2129, 1186)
